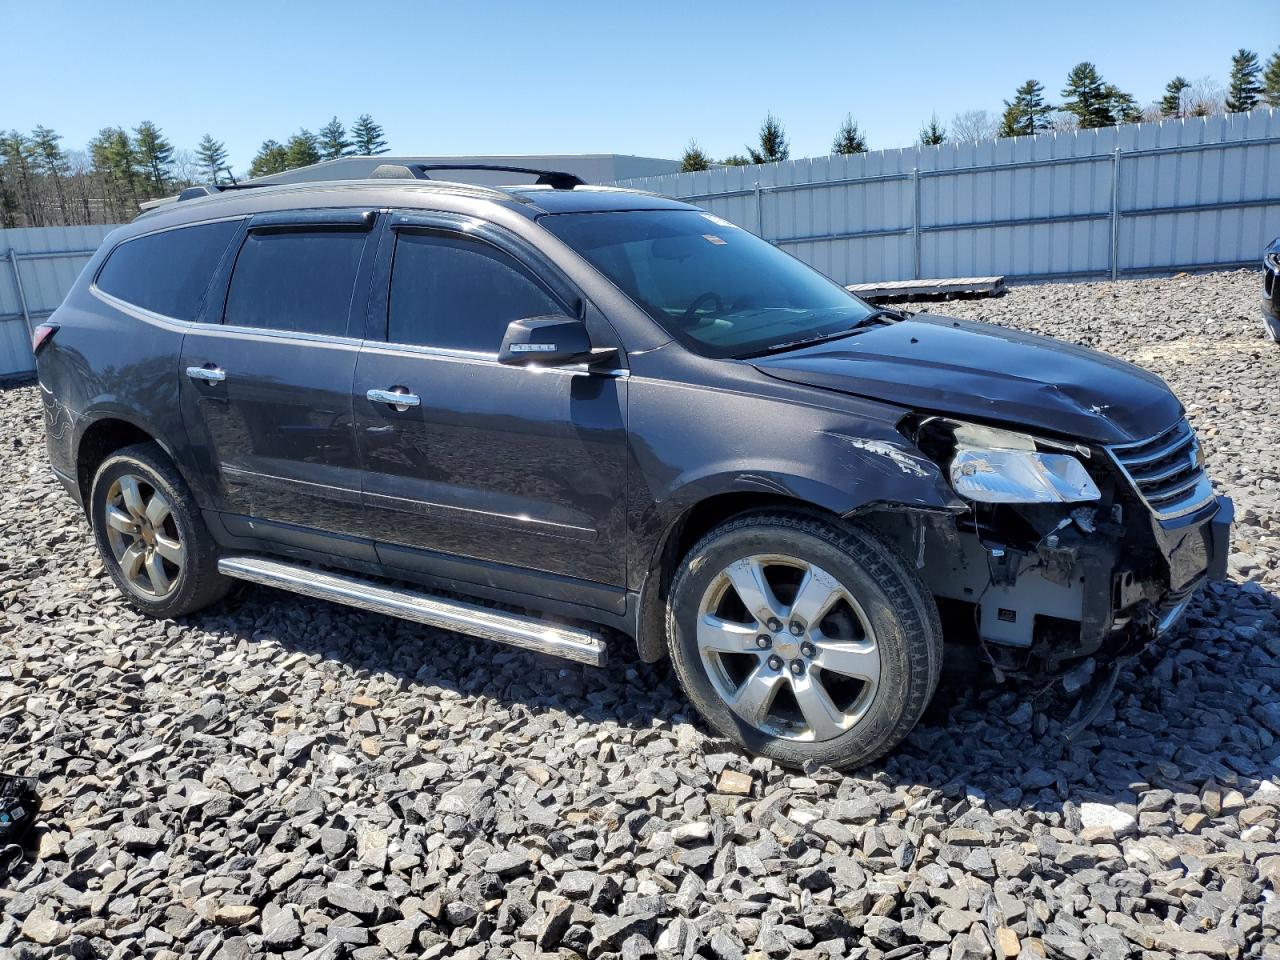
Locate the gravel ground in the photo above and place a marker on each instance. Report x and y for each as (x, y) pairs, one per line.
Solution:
(284, 777)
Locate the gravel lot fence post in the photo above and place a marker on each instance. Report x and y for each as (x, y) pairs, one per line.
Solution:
(1198, 193)
(40, 265)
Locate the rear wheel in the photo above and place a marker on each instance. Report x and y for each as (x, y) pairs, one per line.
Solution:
(151, 536)
(804, 640)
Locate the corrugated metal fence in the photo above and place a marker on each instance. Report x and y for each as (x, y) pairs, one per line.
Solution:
(1141, 198)
(38, 265)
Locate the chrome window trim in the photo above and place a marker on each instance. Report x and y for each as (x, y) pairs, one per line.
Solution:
(384, 348)
(276, 333)
(142, 313)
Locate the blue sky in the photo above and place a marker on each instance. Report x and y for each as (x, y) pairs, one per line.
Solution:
(569, 77)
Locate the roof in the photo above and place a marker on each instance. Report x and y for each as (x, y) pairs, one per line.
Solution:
(527, 200)
(591, 167)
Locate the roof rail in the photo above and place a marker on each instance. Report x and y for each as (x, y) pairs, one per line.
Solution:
(556, 179)
(213, 189)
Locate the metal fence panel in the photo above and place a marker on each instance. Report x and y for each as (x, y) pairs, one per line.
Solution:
(38, 265)
(1141, 198)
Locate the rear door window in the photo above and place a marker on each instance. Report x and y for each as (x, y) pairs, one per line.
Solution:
(458, 293)
(168, 272)
(295, 280)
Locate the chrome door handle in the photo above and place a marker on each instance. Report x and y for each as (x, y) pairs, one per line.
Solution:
(210, 374)
(400, 398)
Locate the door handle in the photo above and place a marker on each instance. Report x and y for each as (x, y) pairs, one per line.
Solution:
(400, 398)
(210, 374)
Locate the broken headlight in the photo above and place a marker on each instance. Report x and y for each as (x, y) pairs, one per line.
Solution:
(1001, 466)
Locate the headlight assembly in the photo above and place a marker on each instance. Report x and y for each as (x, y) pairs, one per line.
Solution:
(1000, 466)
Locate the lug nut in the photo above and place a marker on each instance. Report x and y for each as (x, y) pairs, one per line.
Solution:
(764, 642)
(808, 649)
(797, 667)
(775, 662)
(797, 628)
(775, 624)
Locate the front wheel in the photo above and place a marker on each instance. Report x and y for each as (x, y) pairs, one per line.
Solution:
(804, 640)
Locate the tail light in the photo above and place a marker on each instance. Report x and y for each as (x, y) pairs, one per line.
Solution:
(42, 335)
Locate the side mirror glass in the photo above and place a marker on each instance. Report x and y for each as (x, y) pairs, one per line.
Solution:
(551, 341)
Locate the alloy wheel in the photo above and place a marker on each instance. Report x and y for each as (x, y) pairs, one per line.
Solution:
(788, 647)
(143, 536)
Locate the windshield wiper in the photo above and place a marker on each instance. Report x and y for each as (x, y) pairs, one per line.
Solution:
(876, 314)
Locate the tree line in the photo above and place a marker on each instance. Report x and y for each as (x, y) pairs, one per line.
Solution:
(42, 184)
(1088, 102)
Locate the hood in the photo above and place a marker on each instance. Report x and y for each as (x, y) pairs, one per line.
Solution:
(983, 372)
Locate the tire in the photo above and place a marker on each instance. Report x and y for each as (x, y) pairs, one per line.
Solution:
(874, 648)
(151, 536)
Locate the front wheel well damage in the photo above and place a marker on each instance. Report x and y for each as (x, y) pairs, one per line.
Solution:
(692, 526)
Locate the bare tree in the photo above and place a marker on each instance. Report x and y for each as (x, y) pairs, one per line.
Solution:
(1206, 97)
(186, 168)
(974, 125)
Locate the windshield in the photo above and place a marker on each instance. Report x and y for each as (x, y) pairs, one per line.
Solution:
(721, 291)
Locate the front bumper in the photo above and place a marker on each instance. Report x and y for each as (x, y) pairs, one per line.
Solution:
(1196, 553)
(1271, 290)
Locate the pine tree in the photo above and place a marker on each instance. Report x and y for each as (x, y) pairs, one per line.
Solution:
(367, 137)
(736, 160)
(333, 140)
(302, 149)
(773, 142)
(933, 133)
(1087, 97)
(212, 155)
(1026, 113)
(1122, 105)
(18, 156)
(1244, 90)
(155, 155)
(849, 139)
(49, 160)
(271, 158)
(694, 158)
(1171, 104)
(116, 162)
(1271, 80)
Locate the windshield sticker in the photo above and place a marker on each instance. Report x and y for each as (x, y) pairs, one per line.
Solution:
(712, 238)
(718, 221)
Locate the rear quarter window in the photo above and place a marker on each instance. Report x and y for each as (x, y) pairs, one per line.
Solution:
(168, 272)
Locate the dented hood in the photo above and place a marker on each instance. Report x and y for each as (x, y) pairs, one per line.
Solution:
(984, 372)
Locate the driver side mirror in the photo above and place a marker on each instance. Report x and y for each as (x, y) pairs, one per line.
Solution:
(553, 341)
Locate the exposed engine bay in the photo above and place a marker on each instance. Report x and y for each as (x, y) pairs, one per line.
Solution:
(1064, 550)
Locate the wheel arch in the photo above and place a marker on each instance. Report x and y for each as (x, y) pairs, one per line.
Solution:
(103, 433)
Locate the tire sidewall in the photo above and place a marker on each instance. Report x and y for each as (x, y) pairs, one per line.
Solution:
(879, 726)
(138, 464)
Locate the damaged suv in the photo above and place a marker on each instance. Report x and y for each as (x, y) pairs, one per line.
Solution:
(528, 413)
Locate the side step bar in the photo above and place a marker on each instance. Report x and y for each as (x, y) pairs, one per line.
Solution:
(529, 633)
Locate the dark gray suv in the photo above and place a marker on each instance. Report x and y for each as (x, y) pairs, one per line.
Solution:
(528, 413)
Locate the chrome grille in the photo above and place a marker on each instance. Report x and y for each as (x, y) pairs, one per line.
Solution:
(1167, 471)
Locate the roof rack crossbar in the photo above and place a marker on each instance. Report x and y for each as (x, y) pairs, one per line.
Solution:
(556, 179)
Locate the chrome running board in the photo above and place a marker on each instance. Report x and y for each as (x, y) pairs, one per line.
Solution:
(529, 633)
